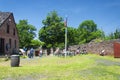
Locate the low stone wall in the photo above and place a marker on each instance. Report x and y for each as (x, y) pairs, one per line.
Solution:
(96, 48)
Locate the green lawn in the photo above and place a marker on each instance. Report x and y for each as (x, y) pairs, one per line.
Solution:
(82, 67)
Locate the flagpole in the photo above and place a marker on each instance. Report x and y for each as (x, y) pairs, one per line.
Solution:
(66, 37)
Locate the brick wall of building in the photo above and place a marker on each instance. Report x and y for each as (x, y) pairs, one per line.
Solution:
(11, 37)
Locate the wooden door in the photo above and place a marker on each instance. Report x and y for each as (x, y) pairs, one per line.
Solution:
(1, 46)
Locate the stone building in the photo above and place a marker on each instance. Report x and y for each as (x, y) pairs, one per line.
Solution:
(9, 39)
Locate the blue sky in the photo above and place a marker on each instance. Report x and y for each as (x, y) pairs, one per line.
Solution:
(105, 13)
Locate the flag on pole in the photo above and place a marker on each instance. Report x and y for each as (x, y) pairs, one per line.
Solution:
(65, 23)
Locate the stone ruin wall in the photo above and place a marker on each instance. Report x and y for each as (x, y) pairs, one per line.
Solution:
(96, 48)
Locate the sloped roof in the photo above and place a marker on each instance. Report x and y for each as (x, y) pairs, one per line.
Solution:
(4, 16)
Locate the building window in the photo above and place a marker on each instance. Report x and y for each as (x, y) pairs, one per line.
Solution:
(14, 31)
(8, 28)
(10, 42)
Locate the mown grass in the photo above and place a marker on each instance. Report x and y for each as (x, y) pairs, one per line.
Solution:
(82, 67)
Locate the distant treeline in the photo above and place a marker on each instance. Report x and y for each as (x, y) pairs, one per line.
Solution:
(52, 33)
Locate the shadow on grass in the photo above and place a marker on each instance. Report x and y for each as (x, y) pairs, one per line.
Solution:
(107, 62)
(99, 74)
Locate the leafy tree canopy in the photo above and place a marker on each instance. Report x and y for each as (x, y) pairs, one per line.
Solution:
(26, 33)
(52, 33)
(114, 35)
(88, 31)
(72, 36)
(36, 43)
(88, 25)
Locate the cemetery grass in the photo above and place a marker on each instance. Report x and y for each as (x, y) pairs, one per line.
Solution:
(80, 67)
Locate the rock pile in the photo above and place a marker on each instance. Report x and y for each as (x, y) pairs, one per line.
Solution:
(96, 48)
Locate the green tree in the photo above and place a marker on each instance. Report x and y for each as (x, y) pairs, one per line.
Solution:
(52, 33)
(26, 33)
(88, 25)
(97, 34)
(113, 35)
(117, 33)
(88, 31)
(110, 36)
(72, 36)
(37, 43)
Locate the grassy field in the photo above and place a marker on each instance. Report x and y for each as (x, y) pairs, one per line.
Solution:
(82, 67)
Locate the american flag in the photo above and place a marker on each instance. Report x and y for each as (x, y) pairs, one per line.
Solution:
(65, 23)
